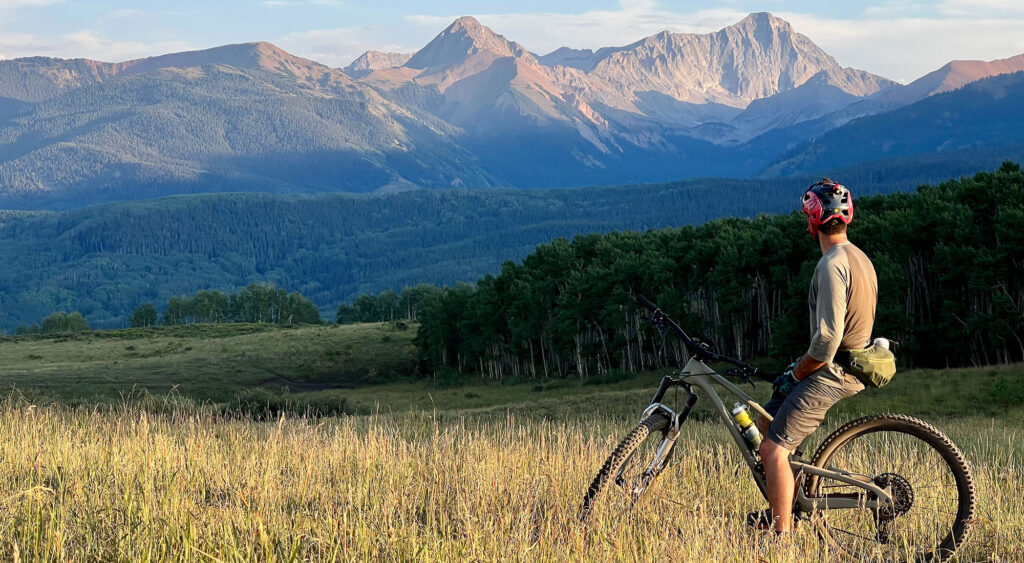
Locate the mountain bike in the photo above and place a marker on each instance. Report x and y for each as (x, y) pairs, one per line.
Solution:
(882, 487)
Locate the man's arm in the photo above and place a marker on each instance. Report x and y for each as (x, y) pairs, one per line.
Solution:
(830, 320)
(806, 366)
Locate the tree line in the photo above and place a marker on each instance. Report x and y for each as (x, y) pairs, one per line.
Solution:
(255, 303)
(949, 261)
(389, 305)
(57, 323)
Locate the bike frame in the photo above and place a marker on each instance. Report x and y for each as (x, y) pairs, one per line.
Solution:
(697, 374)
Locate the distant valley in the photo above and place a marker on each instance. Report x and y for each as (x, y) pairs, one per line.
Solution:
(473, 109)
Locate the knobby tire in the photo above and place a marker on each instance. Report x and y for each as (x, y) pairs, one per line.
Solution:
(654, 426)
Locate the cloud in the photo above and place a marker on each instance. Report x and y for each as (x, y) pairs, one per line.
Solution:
(340, 46)
(288, 3)
(19, 3)
(906, 48)
(896, 8)
(971, 8)
(86, 45)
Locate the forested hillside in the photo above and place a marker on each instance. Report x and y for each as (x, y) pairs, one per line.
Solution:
(949, 259)
(105, 260)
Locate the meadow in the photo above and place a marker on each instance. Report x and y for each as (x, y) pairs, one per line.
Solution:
(476, 472)
(204, 363)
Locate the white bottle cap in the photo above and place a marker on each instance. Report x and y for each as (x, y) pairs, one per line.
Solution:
(882, 343)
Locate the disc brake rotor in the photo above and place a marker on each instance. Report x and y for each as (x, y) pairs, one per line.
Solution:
(902, 494)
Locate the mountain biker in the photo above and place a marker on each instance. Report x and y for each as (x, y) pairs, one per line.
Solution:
(842, 299)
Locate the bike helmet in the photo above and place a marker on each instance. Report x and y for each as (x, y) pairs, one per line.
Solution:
(826, 200)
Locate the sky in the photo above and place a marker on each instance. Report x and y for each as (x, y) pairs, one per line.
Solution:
(898, 39)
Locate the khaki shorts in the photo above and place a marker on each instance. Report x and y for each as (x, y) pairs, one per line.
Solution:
(801, 412)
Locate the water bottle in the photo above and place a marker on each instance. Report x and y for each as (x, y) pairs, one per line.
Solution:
(882, 343)
(747, 426)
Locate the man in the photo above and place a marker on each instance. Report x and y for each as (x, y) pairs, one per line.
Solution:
(842, 301)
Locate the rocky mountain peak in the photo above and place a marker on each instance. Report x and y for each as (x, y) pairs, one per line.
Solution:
(463, 38)
(763, 20)
(375, 60)
(469, 24)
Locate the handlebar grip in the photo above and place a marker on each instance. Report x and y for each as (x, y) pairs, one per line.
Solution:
(646, 303)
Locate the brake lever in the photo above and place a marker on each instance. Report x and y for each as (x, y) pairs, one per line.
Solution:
(743, 374)
(658, 320)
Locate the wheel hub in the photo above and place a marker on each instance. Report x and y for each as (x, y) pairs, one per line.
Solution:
(902, 494)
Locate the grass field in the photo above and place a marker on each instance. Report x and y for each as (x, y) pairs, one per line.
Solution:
(215, 363)
(126, 485)
(473, 473)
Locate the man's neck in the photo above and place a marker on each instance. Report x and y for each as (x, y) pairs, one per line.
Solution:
(828, 241)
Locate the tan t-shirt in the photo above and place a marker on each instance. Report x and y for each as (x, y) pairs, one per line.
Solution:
(842, 299)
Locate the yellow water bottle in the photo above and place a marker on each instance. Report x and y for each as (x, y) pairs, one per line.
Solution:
(747, 426)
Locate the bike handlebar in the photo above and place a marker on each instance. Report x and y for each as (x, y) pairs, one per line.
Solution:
(698, 349)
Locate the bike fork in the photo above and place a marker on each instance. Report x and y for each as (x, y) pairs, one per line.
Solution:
(668, 444)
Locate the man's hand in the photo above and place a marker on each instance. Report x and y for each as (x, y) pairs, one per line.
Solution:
(784, 383)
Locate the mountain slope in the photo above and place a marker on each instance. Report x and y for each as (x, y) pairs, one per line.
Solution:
(471, 108)
(950, 76)
(817, 97)
(982, 115)
(616, 111)
(757, 57)
(38, 78)
(503, 101)
(273, 122)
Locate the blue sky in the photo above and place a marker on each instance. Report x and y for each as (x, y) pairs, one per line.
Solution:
(900, 39)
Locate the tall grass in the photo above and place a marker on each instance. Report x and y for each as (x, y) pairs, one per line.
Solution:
(127, 484)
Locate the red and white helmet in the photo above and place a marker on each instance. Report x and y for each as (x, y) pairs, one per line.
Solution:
(824, 201)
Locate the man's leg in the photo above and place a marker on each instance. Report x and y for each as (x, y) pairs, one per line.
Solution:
(800, 414)
(780, 484)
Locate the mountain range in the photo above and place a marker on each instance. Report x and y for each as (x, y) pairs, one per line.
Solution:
(475, 109)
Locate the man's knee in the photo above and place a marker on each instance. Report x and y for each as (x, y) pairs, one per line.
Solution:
(771, 451)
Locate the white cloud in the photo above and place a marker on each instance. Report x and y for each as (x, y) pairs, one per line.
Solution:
(971, 8)
(86, 45)
(896, 8)
(340, 46)
(287, 3)
(906, 48)
(20, 3)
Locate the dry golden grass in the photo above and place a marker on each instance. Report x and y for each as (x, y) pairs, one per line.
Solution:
(126, 485)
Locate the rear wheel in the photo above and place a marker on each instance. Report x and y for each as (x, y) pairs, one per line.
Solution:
(630, 470)
(930, 483)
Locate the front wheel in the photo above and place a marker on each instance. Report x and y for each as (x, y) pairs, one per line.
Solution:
(631, 468)
(932, 490)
